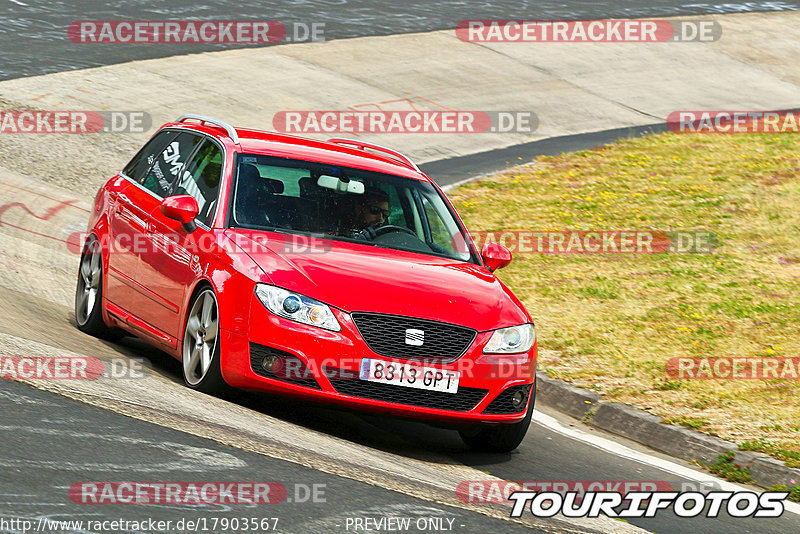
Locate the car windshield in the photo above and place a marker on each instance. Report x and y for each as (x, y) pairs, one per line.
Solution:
(347, 204)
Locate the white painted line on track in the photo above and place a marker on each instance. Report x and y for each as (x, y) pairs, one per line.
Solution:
(622, 451)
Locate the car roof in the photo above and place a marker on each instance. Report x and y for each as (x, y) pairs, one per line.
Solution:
(290, 146)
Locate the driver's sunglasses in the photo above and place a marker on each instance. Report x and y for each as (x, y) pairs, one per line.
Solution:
(376, 210)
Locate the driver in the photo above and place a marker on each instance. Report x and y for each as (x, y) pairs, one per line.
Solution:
(372, 209)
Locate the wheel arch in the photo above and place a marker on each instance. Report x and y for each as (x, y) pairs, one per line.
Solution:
(199, 285)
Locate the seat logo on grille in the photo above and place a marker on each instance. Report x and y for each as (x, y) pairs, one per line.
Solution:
(415, 337)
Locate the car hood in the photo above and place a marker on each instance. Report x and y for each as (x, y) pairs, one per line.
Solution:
(355, 277)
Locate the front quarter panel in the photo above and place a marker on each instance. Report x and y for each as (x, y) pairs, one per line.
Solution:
(233, 275)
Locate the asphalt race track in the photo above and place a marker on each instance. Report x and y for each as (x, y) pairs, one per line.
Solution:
(31, 36)
(53, 442)
(36, 285)
(315, 503)
(149, 427)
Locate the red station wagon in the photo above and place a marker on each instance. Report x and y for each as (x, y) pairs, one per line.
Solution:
(332, 271)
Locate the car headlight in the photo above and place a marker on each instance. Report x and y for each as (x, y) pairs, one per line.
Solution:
(297, 307)
(512, 340)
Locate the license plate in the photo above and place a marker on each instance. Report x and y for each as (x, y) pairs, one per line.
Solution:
(409, 375)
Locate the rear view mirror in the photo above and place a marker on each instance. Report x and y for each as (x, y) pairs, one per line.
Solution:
(340, 185)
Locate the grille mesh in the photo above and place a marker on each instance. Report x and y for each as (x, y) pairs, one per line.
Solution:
(462, 401)
(503, 405)
(386, 335)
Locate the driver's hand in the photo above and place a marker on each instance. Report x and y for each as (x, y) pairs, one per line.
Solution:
(369, 233)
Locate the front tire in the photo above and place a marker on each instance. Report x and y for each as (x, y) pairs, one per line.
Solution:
(501, 437)
(89, 293)
(201, 347)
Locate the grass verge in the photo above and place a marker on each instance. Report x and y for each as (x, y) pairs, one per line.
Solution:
(612, 321)
(725, 468)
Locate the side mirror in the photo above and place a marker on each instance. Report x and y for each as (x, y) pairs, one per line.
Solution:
(182, 208)
(495, 256)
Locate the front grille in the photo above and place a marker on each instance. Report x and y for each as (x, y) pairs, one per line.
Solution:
(386, 335)
(503, 405)
(291, 369)
(462, 401)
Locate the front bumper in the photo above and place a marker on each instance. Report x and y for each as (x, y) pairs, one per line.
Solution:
(331, 362)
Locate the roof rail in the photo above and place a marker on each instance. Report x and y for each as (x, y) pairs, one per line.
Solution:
(363, 145)
(216, 122)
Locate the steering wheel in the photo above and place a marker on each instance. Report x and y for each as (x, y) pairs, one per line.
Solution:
(371, 233)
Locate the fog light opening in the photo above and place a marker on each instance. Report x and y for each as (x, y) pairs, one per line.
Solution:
(518, 399)
(268, 363)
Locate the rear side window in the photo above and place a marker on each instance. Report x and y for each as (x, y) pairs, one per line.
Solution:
(169, 162)
(288, 176)
(201, 179)
(145, 158)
